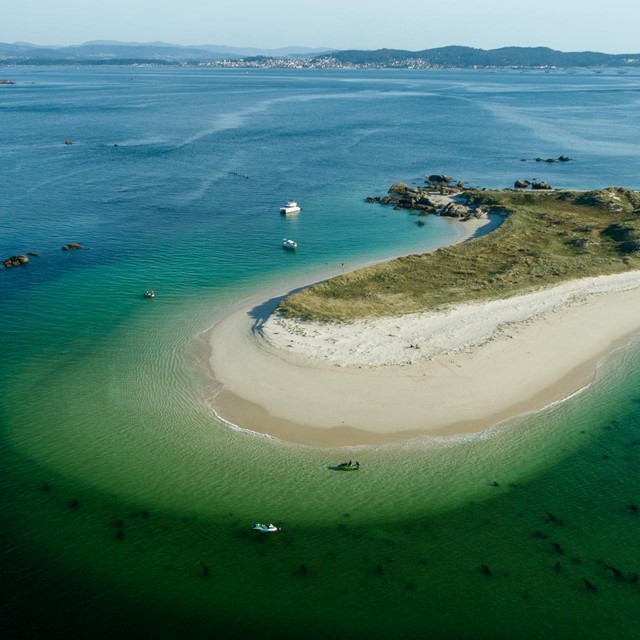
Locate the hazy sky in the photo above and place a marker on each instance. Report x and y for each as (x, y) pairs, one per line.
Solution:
(568, 25)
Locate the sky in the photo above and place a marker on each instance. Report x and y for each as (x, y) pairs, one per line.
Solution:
(567, 25)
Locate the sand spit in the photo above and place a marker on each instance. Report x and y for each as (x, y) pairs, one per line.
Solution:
(456, 371)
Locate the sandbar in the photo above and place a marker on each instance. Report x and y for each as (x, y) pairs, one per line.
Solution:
(455, 371)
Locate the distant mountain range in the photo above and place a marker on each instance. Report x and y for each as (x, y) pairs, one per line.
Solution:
(104, 50)
(108, 52)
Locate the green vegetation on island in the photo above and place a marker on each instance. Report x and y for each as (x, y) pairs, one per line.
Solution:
(548, 237)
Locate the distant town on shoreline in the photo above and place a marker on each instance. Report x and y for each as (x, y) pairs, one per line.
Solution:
(117, 53)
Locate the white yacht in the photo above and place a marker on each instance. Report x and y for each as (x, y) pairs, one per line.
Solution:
(287, 243)
(290, 207)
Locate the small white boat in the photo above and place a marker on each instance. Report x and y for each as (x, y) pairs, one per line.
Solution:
(290, 207)
(150, 294)
(266, 528)
(288, 243)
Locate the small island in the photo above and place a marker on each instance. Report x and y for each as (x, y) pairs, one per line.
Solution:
(448, 342)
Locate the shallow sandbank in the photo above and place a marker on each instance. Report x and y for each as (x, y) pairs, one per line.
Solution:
(515, 355)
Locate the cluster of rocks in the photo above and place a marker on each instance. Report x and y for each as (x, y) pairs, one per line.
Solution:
(4, 81)
(15, 261)
(462, 211)
(550, 160)
(540, 185)
(21, 259)
(429, 199)
(402, 196)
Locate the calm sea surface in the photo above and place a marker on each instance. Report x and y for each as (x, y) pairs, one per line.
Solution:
(127, 507)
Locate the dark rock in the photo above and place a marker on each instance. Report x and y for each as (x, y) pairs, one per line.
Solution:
(15, 261)
(437, 179)
(35, 254)
(616, 573)
(540, 185)
(550, 160)
(68, 141)
(564, 159)
(420, 223)
(72, 246)
(552, 518)
(521, 184)
(7, 82)
(486, 570)
(589, 585)
(74, 504)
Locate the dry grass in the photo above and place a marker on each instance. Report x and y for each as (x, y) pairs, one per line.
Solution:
(548, 238)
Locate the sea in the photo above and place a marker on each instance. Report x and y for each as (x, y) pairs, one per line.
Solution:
(127, 507)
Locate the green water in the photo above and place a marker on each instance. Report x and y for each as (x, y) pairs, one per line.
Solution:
(393, 549)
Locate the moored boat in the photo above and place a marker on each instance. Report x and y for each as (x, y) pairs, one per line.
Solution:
(348, 466)
(287, 243)
(150, 294)
(266, 528)
(290, 207)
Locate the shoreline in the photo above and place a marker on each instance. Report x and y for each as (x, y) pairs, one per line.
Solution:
(275, 383)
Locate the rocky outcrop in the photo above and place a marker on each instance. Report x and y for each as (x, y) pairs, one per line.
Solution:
(552, 160)
(72, 246)
(68, 141)
(398, 187)
(7, 82)
(541, 186)
(454, 210)
(438, 179)
(15, 261)
(521, 184)
(403, 196)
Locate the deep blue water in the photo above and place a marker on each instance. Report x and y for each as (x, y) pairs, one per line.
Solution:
(104, 399)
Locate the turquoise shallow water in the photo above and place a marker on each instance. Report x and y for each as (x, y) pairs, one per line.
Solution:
(105, 394)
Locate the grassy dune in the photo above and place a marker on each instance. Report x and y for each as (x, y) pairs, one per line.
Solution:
(547, 238)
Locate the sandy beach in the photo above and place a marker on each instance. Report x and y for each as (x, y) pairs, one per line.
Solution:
(456, 371)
